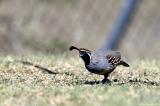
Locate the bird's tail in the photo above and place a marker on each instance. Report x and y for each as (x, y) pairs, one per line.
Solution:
(123, 63)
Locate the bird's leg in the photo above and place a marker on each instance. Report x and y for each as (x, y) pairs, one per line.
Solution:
(106, 79)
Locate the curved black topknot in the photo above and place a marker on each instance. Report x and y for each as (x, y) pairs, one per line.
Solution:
(73, 47)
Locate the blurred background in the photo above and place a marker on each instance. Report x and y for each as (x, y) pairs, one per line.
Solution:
(51, 26)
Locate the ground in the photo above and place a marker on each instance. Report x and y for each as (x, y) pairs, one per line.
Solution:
(22, 85)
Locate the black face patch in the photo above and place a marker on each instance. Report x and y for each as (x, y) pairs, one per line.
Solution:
(84, 51)
(86, 58)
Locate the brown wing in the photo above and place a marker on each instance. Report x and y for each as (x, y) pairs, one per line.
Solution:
(113, 57)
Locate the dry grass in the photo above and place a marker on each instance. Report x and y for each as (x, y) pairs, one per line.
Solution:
(27, 86)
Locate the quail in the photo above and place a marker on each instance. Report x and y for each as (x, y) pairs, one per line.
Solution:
(101, 61)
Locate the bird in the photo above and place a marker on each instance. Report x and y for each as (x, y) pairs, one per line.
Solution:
(100, 61)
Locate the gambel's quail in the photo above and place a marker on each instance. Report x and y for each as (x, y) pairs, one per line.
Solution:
(100, 61)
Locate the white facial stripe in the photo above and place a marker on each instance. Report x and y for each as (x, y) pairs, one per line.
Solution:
(85, 51)
(90, 57)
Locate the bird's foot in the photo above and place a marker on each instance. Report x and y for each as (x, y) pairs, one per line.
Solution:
(106, 81)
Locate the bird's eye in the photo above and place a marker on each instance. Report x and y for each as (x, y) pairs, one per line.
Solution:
(84, 52)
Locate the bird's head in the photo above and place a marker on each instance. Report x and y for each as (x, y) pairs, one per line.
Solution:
(85, 54)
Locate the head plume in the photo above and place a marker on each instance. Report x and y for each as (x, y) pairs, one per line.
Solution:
(83, 53)
(73, 47)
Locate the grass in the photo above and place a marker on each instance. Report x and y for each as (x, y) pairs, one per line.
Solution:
(22, 85)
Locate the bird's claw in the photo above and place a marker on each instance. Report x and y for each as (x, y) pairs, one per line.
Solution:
(106, 81)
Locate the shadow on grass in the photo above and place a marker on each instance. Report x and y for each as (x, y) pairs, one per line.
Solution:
(143, 82)
(82, 82)
(92, 82)
(116, 82)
